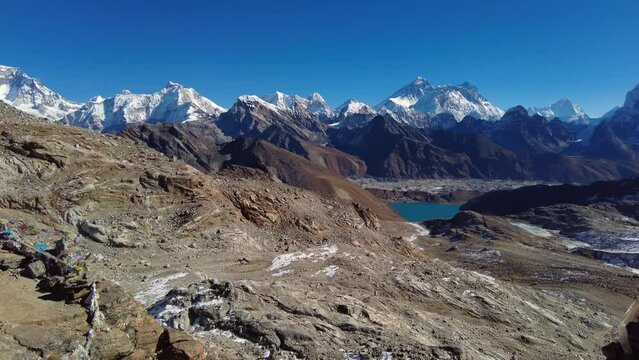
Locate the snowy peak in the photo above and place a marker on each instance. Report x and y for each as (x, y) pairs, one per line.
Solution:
(352, 106)
(314, 104)
(407, 96)
(173, 104)
(563, 109)
(282, 101)
(29, 95)
(318, 106)
(459, 100)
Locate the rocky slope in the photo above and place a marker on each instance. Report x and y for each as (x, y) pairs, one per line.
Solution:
(196, 143)
(600, 220)
(243, 250)
(199, 144)
(294, 170)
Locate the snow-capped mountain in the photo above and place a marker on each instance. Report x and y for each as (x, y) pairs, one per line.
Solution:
(563, 109)
(173, 104)
(352, 107)
(460, 100)
(353, 113)
(29, 95)
(251, 116)
(314, 104)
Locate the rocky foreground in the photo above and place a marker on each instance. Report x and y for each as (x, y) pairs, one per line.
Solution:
(244, 267)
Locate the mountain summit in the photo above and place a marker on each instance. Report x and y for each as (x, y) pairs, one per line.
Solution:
(314, 104)
(173, 104)
(563, 109)
(29, 95)
(460, 100)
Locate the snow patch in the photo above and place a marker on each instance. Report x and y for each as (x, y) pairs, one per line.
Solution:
(532, 229)
(421, 231)
(157, 289)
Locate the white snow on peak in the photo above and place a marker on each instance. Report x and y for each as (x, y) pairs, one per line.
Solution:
(253, 100)
(173, 104)
(420, 96)
(28, 94)
(352, 106)
(314, 104)
(563, 109)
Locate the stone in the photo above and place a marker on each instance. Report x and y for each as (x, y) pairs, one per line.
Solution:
(114, 344)
(94, 232)
(10, 260)
(177, 345)
(35, 270)
(121, 242)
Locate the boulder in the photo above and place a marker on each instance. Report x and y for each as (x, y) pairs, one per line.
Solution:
(9, 260)
(94, 232)
(35, 269)
(177, 345)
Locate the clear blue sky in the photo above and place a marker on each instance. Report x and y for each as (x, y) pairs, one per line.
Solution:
(529, 52)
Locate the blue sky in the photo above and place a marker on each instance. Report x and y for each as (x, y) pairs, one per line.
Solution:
(528, 52)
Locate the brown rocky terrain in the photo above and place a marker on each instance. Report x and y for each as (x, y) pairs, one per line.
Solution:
(262, 269)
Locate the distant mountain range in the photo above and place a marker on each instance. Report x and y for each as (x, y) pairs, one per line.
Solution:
(414, 104)
(421, 130)
(173, 104)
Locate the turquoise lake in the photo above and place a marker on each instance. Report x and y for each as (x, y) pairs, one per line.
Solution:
(416, 212)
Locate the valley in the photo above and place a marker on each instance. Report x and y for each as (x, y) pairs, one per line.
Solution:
(264, 230)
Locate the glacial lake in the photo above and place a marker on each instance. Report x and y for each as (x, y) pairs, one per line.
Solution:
(416, 212)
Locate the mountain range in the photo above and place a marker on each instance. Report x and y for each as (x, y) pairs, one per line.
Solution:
(414, 104)
(420, 130)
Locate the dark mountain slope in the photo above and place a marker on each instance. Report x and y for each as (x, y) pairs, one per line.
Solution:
(391, 149)
(505, 202)
(297, 171)
(196, 143)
